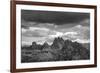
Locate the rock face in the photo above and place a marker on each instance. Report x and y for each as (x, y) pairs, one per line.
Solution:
(75, 51)
(60, 50)
(34, 45)
(58, 43)
(45, 46)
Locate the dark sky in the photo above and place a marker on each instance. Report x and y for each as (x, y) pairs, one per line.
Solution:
(44, 26)
(53, 17)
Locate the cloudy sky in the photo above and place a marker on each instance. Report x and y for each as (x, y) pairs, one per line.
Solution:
(41, 26)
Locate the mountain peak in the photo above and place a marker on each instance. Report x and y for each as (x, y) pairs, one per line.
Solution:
(58, 39)
(33, 43)
(45, 45)
(58, 43)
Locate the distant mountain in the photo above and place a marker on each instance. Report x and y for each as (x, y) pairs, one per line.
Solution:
(45, 46)
(59, 50)
(58, 43)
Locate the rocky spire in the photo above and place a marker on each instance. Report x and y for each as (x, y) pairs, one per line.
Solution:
(58, 43)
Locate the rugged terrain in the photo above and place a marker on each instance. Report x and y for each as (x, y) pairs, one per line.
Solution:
(59, 50)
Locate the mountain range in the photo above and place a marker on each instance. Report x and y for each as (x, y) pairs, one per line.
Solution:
(59, 50)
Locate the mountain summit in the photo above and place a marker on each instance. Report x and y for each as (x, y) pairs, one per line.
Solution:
(45, 45)
(58, 43)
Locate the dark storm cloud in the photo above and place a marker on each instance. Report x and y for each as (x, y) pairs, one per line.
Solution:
(53, 17)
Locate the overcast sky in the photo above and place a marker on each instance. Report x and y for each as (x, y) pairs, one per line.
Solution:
(41, 26)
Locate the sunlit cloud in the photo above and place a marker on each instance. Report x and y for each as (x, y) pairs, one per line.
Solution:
(82, 41)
